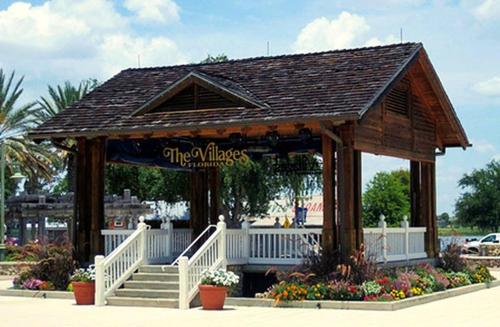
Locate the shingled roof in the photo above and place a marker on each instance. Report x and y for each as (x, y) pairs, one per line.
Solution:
(340, 84)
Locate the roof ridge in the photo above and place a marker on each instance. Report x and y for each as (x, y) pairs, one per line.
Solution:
(275, 57)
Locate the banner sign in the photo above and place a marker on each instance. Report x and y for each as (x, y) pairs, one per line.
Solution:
(203, 157)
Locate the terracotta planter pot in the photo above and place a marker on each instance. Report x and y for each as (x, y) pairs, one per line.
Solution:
(212, 297)
(84, 292)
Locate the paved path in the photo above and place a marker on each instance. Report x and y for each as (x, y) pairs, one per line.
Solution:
(476, 309)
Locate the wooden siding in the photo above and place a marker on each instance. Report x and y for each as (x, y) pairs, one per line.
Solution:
(389, 129)
(196, 97)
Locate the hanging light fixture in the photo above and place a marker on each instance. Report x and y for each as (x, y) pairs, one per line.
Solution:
(273, 138)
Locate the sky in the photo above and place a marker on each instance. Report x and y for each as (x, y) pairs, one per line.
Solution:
(52, 41)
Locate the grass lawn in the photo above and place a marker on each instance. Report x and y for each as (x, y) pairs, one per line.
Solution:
(459, 231)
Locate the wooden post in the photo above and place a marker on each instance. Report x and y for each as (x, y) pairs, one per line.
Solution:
(415, 190)
(98, 162)
(428, 208)
(90, 198)
(214, 180)
(349, 194)
(330, 236)
(198, 219)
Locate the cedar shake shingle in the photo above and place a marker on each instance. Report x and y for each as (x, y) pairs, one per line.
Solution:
(335, 84)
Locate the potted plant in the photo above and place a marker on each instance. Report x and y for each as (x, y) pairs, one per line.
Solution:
(214, 286)
(83, 283)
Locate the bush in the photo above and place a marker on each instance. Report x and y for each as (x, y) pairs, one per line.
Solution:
(31, 251)
(451, 259)
(359, 268)
(345, 291)
(480, 274)
(56, 265)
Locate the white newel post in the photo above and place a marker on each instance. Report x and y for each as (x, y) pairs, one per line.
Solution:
(143, 243)
(99, 280)
(245, 227)
(382, 224)
(221, 225)
(406, 225)
(170, 232)
(183, 283)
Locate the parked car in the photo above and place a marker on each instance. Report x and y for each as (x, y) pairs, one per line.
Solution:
(472, 246)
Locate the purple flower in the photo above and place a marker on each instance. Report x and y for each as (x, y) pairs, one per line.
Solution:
(32, 284)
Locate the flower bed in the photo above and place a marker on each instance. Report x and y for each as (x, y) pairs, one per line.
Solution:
(360, 280)
(51, 270)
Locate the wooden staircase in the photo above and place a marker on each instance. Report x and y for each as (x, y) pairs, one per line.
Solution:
(150, 286)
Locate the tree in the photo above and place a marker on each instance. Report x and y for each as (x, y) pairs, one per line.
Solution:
(388, 193)
(247, 188)
(33, 160)
(479, 204)
(443, 219)
(297, 185)
(214, 59)
(59, 98)
(148, 183)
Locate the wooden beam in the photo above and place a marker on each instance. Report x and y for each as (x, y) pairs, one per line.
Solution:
(428, 208)
(330, 232)
(349, 165)
(415, 190)
(198, 202)
(214, 180)
(97, 164)
(89, 196)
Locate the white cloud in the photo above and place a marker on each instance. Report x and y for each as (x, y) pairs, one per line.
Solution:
(490, 87)
(158, 11)
(496, 157)
(346, 31)
(324, 34)
(65, 39)
(119, 49)
(374, 41)
(489, 9)
(483, 147)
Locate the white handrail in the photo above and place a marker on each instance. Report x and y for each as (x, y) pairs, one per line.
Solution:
(120, 264)
(211, 255)
(205, 231)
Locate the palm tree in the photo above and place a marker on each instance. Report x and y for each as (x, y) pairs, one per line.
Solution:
(61, 97)
(34, 160)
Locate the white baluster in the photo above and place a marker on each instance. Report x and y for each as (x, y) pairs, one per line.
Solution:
(382, 224)
(221, 225)
(406, 226)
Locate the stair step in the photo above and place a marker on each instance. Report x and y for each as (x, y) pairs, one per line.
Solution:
(142, 302)
(145, 293)
(159, 269)
(160, 277)
(151, 285)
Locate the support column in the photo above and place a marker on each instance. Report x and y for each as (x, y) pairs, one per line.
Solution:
(349, 194)
(199, 212)
(214, 180)
(89, 195)
(330, 234)
(415, 190)
(428, 208)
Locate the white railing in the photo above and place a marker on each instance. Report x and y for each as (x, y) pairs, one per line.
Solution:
(181, 238)
(211, 255)
(173, 246)
(112, 271)
(394, 244)
(282, 246)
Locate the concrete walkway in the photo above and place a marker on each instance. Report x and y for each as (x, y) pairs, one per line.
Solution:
(476, 309)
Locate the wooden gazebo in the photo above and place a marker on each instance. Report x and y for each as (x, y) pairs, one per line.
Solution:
(384, 100)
